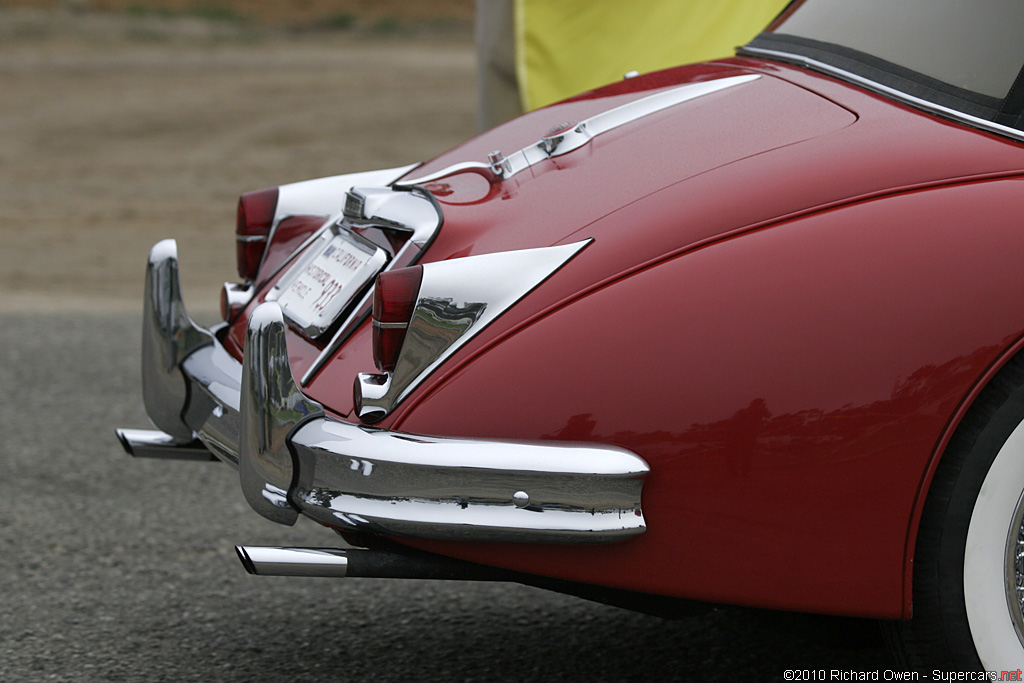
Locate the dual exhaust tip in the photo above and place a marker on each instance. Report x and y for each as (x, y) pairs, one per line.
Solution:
(352, 562)
(275, 561)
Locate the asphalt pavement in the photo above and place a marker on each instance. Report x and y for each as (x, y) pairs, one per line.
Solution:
(117, 569)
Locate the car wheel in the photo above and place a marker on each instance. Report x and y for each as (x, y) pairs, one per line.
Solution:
(969, 560)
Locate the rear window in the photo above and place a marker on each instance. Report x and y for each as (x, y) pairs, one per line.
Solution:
(966, 55)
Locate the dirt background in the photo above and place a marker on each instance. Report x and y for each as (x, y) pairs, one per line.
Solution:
(279, 13)
(120, 127)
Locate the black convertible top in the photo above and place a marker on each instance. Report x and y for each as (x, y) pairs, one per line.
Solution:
(963, 58)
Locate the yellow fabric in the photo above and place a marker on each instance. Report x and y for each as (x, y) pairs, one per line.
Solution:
(564, 47)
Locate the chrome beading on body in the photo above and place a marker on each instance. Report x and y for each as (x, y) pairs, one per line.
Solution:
(504, 167)
(168, 337)
(271, 407)
(457, 299)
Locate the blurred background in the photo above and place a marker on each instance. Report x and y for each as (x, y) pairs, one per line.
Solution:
(126, 121)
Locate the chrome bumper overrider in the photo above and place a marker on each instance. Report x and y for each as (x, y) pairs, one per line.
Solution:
(293, 458)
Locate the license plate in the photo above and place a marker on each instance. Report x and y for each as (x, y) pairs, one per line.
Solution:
(326, 279)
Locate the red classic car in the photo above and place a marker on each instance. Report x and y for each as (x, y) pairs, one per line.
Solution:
(742, 332)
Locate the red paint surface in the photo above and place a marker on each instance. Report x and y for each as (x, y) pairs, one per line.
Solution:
(787, 388)
(792, 288)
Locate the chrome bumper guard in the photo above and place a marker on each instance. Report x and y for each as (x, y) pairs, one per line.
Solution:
(293, 458)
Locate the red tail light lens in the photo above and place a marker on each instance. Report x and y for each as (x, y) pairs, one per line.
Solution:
(394, 300)
(252, 228)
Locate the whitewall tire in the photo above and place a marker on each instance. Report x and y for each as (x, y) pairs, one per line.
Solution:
(966, 612)
(992, 569)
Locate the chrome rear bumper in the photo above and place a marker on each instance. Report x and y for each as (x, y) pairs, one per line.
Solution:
(294, 458)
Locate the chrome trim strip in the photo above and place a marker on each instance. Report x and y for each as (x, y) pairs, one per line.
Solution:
(899, 95)
(168, 336)
(457, 299)
(573, 137)
(492, 173)
(271, 407)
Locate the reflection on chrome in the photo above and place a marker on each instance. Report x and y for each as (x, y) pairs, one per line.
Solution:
(271, 406)
(276, 561)
(291, 457)
(168, 337)
(457, 299)
(190, 383)
(467, 489)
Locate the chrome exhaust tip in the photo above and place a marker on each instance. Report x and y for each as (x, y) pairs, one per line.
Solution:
(275, 561)
(360, 563)
(150, 443)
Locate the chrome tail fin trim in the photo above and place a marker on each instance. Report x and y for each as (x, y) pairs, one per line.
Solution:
(457, 299)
